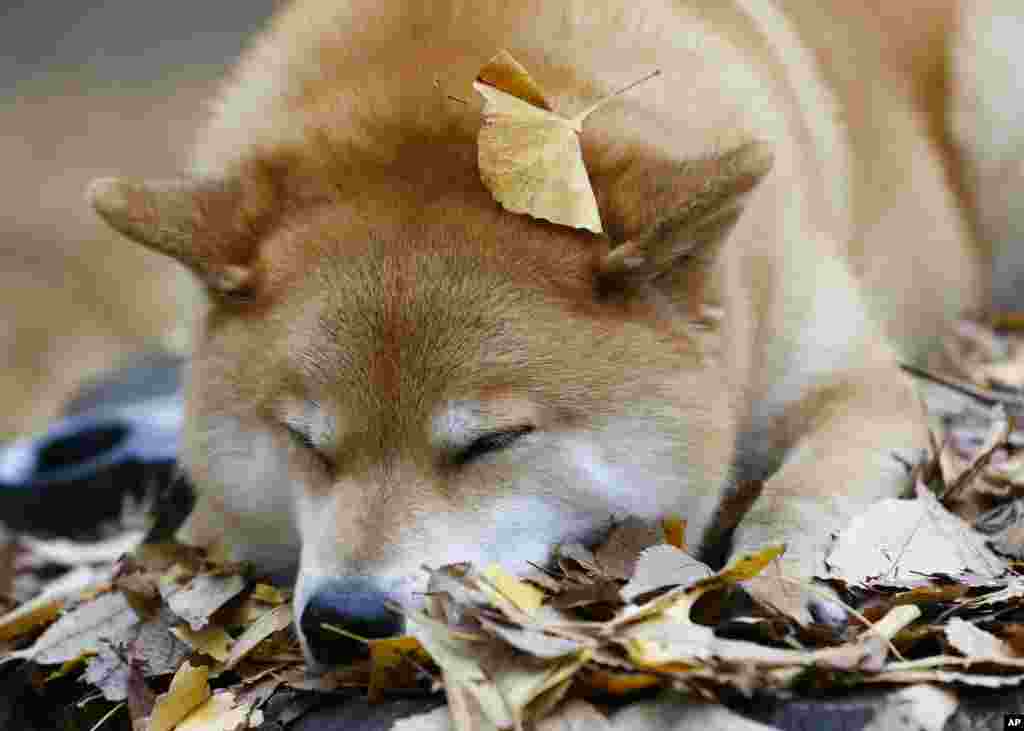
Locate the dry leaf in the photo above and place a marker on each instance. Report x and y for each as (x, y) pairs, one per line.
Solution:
(269, 594)
(393, 663)
(896, 541)
(675, 532)
(221, 712)
(977, 644)
(141, 699)
(153, 644)
(83, 630)
(525, 597)
(201, 596)
(213, 641)
(999, 431)
(661, 566)
(917, 708)
(602, 591)
(567, 553)
(616, 682)
(626, 542)
(461, 662)
(1009, 472)
(1012, 592)
(63, 552)
(259, 692)
(529, 156)
(189, 690)
(45, 607)
(273, 621)
(951, 677)
(109, 670)
(530, 640)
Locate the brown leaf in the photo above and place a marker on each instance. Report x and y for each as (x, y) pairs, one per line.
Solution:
(530, 640)
(155, 646)
(395, 664)
(104, 619)
(8, 551)
(141, 698)
(568, 554)
(606, 681)
(200, 596)
(618, 555)
(277, 619)
(1000, 430)
(675, 532)
(582, 595)
(47, 605)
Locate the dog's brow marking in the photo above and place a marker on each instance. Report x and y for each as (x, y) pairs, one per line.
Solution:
(460, 422)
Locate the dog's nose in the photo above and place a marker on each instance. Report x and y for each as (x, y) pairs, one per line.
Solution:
(355, 606)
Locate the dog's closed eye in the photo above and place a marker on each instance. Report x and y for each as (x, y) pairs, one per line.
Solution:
(303, 439)
(491, 442)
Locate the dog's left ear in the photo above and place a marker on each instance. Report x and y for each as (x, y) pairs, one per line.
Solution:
(204, 224)
(667, 220)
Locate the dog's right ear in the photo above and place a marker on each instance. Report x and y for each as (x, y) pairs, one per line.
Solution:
(202, 224)
(667, 220)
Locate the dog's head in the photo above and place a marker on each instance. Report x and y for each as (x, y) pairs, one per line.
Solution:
(386, 378)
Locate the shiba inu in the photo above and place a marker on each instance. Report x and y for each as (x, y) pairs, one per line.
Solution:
(393, 370)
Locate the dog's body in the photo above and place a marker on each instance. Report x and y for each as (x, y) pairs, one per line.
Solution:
(395, 371)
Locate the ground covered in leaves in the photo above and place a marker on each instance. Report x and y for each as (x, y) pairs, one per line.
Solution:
(163, 637)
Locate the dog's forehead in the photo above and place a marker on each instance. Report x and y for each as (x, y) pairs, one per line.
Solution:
(403, 310)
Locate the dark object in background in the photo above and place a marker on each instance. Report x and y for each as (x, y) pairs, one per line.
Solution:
(120, 437)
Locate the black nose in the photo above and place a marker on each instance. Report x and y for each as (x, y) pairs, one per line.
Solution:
(355, 606)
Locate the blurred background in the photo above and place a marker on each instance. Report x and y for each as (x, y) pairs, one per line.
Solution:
(89, 89)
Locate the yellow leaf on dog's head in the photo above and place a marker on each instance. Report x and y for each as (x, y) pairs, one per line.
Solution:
(509, 76)
(529, 156)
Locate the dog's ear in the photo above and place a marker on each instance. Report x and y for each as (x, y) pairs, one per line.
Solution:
(202, 224)
(667, 220)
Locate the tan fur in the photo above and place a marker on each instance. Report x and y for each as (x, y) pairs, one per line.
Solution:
(393, 312)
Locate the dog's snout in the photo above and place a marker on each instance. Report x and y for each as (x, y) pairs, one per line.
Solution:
(355, 606)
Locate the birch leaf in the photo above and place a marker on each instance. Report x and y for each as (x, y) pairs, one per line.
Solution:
(529, 156)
